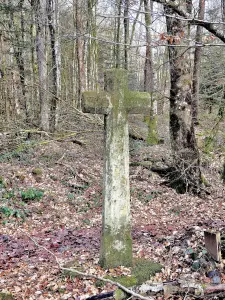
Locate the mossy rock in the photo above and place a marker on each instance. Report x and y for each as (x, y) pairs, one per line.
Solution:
(144, 269)
(6, 296)
(37, 172)
(72, 265)
(20, 176)
(141, 271)
(120, 295)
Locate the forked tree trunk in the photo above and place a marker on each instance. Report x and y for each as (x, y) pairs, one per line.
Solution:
(187, 173)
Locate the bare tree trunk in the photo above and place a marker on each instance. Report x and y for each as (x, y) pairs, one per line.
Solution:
(117, 36)
(41, 20)
(149, 76)
(19, 55)
(187, 173)
(53, 20)
(126, 32)
(223, 12)
(34, 92)
(92, 55)
(80, 48)
(222, 109)
(197, 61)
(135, 22)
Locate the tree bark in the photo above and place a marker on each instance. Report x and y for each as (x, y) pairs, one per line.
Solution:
(126, 33)
(41, 20)
(197, 61)
(18, 51)
(92, 47)
(117, 35)
(53, 20)
(149, 76)
(187, 173)
(80, 49)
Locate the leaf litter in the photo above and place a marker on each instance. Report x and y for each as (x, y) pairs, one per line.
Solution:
(166, 227)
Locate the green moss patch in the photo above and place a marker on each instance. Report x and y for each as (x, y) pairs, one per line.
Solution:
(120, 295)
(112, 257)
(141, 271)
(144, 269)
(127, 281)
(37, 172)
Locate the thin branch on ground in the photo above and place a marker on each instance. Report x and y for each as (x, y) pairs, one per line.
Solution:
(126, 290)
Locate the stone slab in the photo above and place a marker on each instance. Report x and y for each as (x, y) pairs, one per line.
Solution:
(212, 244)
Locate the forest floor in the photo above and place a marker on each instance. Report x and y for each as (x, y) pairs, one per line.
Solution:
(51, 204)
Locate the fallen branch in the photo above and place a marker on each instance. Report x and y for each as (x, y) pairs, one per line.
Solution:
(214, 288)
(126, 290)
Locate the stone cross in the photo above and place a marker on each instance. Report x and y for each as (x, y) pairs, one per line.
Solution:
(116, 102)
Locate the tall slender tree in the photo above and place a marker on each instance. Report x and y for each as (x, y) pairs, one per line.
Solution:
(197, 61)
(126, 32)
(149, 75)
(40, 7)
(92, 45)
(53, 23)
(80, 6)
(118, 33)
(18, 42)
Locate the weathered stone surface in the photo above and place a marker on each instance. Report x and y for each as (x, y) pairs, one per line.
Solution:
(212, 244)
(115, 103)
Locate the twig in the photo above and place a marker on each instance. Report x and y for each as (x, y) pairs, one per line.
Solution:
(109, 281)
(126, 290)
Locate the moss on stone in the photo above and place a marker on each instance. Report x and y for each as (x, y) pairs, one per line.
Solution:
(144, 269)
(37, 172)
(20, 176)
(120, 295)
(113, 256)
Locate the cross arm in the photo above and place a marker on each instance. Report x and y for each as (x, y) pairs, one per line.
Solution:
(96, 102)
